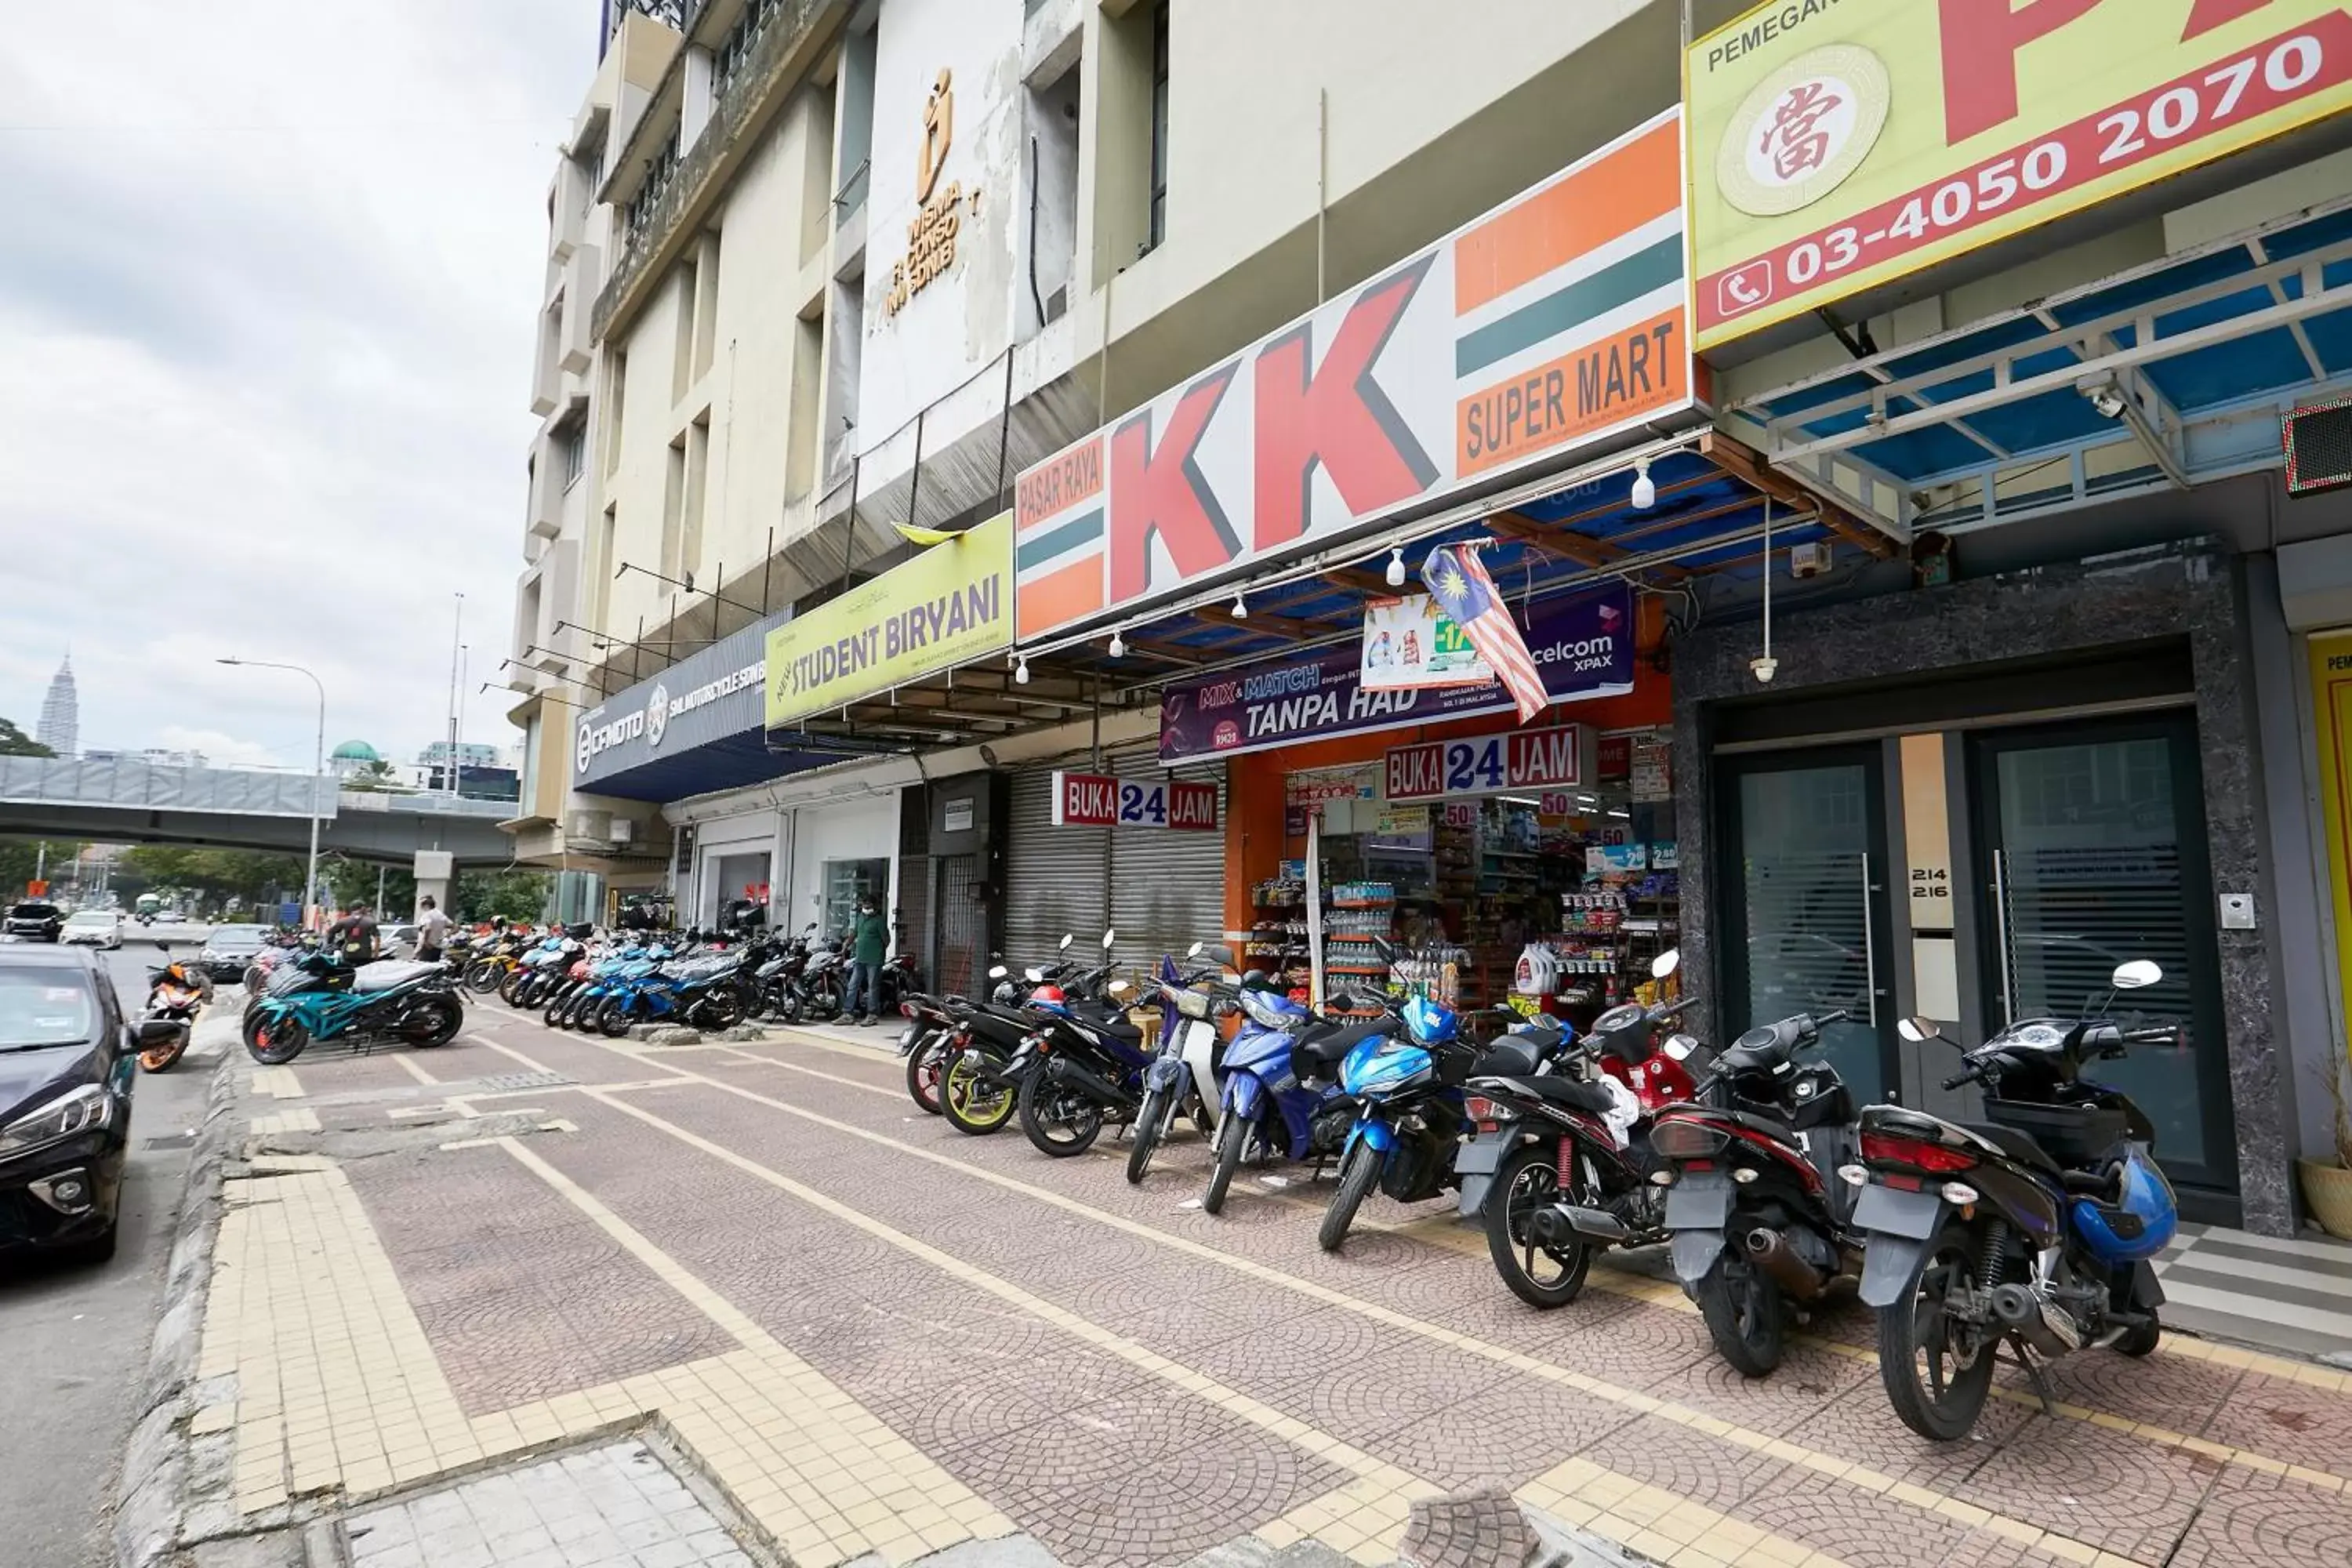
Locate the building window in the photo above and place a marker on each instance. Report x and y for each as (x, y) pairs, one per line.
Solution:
(1158, 228)
(571, 441)
(735, 50)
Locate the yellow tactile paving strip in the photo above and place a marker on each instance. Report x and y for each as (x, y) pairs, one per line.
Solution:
(2053, 1543)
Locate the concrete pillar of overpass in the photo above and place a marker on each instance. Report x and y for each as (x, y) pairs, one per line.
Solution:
(436, 877)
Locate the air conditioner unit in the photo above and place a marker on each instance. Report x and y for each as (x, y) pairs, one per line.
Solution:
(593, 826)
(1809, 560)
(2318, 441)
(624, 830)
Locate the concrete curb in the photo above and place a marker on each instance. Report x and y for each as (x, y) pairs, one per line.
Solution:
(148, 1498)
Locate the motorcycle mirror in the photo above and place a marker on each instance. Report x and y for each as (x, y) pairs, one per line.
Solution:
(1665, 963)
(1680, 1047)
(1195, 950)
(1107, 937)
(1064, 945)
(1033, 976)
(997, 972)
(2138, 973)
(1119, 987)
(1917, 1029)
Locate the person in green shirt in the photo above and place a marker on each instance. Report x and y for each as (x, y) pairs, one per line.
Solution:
(870, 942)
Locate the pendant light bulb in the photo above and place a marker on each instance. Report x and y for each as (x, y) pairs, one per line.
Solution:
(1645, 490)
(1020, 671)
(1118, 646)
(1241, 607)
(1396, 567)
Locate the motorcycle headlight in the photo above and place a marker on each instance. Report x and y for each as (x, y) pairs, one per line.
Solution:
(75, 1111)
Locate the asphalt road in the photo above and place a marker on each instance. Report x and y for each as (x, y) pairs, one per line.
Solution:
(76, 1338)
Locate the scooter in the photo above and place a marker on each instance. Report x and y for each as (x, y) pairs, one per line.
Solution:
(1408, 1114)
(1279, 1085)
(2034, 1226)
(1182, 1077)
(175, 994)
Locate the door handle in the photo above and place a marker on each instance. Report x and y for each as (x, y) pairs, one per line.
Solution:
(1869, 947)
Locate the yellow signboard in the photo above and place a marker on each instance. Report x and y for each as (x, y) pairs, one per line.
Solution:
(1836, 145)
(951, 603)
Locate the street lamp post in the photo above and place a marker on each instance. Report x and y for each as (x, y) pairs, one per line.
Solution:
(318, 773)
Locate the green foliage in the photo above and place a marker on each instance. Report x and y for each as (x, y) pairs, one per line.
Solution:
(515, 892)
(214, 875)
(350, 882)
(20, 858)
(15, 742)
(373, 778)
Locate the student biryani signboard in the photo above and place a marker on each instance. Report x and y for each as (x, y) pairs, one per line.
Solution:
(1550, 325)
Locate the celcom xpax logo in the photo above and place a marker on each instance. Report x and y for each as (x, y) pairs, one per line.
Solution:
(1801, 130)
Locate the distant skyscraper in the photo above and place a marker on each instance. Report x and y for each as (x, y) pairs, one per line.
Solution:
(60, 725)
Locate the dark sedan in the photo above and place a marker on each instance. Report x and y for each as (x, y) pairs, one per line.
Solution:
(229, 951)
(67, 1058)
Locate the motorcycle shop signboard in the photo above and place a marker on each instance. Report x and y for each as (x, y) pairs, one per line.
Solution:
(1097, 800)
(710, 697)
(1837, 148)
(1552, 325)
(1582, 645)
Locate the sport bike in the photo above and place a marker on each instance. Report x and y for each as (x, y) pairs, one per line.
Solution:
(315, 998)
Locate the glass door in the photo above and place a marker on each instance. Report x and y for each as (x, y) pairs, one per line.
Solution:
(2090, 848)
(1804, 874)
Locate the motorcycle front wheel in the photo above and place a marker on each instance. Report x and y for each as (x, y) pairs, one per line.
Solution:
(162, 1058)
(1233, 1141)
(435, 1021)
(1060, 1121)
(1936, 1367)
(1150, 1127)
(1744, 1315)
(1358, 1171)
(613, 1016)
(972, 1102)
(924, 1071)
(1540, 1274)
(274, 1042)
(483, 977)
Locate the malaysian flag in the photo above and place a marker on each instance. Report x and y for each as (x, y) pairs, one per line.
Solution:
(1469, 599)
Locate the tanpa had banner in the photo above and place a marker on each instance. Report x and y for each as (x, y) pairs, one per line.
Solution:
(1582, 646)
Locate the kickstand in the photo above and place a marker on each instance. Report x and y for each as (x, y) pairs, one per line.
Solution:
(2032, 1365)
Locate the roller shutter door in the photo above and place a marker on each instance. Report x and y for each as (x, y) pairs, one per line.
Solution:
(1054, 877)
(1163, 890)
(1168, 888)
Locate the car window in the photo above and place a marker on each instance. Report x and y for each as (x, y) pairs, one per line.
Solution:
(91, 918)
(34, 911)
(44, 1006)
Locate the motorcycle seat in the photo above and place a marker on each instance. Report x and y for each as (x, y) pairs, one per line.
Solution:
(386, 974)
(1575, 1093)
(1771, 1127)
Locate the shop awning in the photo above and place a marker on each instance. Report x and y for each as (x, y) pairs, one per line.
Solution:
(2169, 376)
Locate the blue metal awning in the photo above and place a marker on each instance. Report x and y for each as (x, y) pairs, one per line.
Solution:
(2164, 376)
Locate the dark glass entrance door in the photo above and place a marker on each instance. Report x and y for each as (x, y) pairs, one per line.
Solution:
(1803, 870)
(2091, 847)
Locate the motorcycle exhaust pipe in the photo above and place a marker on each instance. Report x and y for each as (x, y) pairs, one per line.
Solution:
(1769, 1251)
(1560, 1224)
(1062, 1069)
(2044, 1326)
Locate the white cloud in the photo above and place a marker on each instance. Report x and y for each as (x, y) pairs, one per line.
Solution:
(267, 298)
(224, 751)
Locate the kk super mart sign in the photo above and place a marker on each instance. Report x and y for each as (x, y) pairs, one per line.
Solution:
(951, 604)
(1838, 145)
(1553, 322)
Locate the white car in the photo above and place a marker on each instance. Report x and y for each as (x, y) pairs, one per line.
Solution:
(95, 928)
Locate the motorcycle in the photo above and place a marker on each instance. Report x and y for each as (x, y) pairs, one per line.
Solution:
(2034, 1226)
(175, 994)
(1083, 1064)
(700, 993)
(1408, 1114)
(1577, 1175)
(980, 1084)
(1279, 1085)
(527, 985)
(314, 999)
(1757, 1215)
(1182, 1077)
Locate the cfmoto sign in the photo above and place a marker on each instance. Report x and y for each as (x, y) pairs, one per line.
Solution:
(656, 716)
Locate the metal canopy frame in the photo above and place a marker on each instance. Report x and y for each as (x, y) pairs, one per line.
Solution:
(2158, 378)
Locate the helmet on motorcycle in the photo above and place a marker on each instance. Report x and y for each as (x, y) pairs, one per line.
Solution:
(1051, 998)
(2140, 1224)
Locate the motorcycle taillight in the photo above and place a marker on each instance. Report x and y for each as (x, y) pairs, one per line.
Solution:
(1482, 1110)
(1679, 1138)
(1918, 1154)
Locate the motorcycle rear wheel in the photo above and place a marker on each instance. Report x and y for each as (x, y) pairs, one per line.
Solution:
(1059, 1121)
(924, 1071)
(1744, 1315)
(1541, 1275)
(484, 976)
(434, 1021)
(1934, 1391)
(1233, 1142)
(1150, 1127)
(970, 1101)
(1358, 1171)
(510, 985)
(274, 1042)
(723, 1009)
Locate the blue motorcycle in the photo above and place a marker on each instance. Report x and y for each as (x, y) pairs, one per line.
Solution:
(315, 998)
(1409, 1115)
(1279, 1085)
(2034, 1226)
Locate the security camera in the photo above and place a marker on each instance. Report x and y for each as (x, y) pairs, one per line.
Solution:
(1764, 667)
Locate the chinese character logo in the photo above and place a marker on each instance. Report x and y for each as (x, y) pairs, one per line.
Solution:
(1803, 130)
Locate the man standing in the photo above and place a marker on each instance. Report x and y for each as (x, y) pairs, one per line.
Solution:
(869, 940)
(352, 940)
(432, 930)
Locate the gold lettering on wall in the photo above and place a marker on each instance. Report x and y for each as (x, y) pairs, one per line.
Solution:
(931, 234)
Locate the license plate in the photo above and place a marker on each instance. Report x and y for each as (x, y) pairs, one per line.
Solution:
(1898, 1213)
(1698, 1203)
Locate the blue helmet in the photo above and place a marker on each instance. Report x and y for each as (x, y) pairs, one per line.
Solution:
(2139, 1223)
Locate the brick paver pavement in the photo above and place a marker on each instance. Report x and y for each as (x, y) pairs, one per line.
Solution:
(879, 1335)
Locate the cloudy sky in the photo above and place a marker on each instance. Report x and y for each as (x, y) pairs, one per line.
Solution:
(266, 290)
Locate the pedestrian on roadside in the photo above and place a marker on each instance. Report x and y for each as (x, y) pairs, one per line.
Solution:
(869, 940)
(352, 940)
(432, 930)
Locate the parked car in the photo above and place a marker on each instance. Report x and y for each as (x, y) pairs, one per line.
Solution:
(94, 928)
(229, 951)
(67, 1058)
(33, 922)
(391, 934)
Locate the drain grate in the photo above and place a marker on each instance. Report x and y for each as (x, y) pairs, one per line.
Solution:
(500, 1083)
(174, 1141)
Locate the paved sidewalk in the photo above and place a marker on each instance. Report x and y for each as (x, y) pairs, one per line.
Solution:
(880, 1338)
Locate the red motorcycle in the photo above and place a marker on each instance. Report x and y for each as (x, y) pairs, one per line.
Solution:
(1577, 1175)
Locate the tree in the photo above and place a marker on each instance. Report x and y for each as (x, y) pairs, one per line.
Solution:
(514, 892)
(373, 778)
(15, 742)
(20, 859)
(350, 882)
